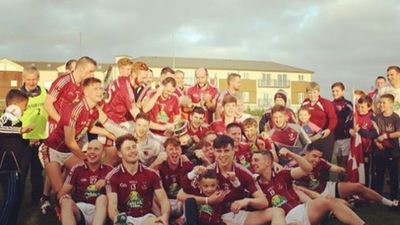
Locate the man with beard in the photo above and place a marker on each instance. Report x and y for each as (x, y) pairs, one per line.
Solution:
(122, 104)
(203, 94)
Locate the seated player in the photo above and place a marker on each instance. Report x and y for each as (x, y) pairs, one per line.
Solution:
(89, 204)
(278, 188)
(315, 182)
(131, 188)
(205, 214)
(242, 149)
(171, 172)
(196, 126)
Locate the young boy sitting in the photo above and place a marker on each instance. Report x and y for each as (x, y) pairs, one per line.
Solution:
(204, 214)
(312, 130)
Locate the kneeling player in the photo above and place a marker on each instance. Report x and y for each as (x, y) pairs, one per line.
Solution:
(88, 179)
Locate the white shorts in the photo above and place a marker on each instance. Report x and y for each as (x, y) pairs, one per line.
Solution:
(298, 214)
(48, 155)
(330, 189)
(237, 219)
(88, 211)
(139, 220)
(341, 147)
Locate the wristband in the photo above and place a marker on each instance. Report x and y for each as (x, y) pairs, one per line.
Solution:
(206, 200)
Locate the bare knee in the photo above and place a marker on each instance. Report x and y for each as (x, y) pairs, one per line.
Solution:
(101, 200)
(277, 212)
(67, 204)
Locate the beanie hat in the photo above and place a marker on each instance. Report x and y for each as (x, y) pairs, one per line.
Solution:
(281, 94)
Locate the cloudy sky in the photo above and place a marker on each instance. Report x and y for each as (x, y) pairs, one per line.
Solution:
(350, 41)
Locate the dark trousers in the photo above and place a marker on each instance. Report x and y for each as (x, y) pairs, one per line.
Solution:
(382, 162)
(12, 188)
(191, 214)
(36, 173)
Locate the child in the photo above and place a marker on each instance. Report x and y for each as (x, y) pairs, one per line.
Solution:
(312, 130)
(206, 214)
(12, 147)
(387, 143)
(344, 113)
(367, 129)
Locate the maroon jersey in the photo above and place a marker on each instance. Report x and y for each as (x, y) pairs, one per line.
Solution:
(292, 137)
(314, 181)
(164, 110)
(279, 191)
(323, 113)
(196, 94)
(244, 154)
(120, 99)
(368, 130)
(222, 95)
(200, 133)
(135, 192)
(247, 184)
(83, 180)
(171, 178)
(210, 214)
(77, 116)
(66, 91)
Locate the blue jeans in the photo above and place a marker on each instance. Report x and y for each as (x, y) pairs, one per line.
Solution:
(11, 185)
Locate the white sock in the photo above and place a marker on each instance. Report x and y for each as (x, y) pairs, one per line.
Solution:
(387, 202)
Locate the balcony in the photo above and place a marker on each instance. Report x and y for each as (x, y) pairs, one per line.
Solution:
(273, 83)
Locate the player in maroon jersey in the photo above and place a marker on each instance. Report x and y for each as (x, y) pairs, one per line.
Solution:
(131, 188)
(287, 135)
(278, 188)
(123, 102)
(203, 94)
(314, 181)
(165, 110)
(241, 148)
(89, 203)
(62, 146)
(233, 88)
(196, 127)
(171, 172)
(67, 89)
(236, 182)
(229, 113)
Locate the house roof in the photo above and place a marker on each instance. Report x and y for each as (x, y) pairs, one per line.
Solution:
(44, 65)
(220, 64)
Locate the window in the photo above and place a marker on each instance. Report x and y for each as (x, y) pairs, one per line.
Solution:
(300, 98)
(13, 83)
(265, 81)
(245, 96)
(48, 65)
(301, 77)
(282, 80)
